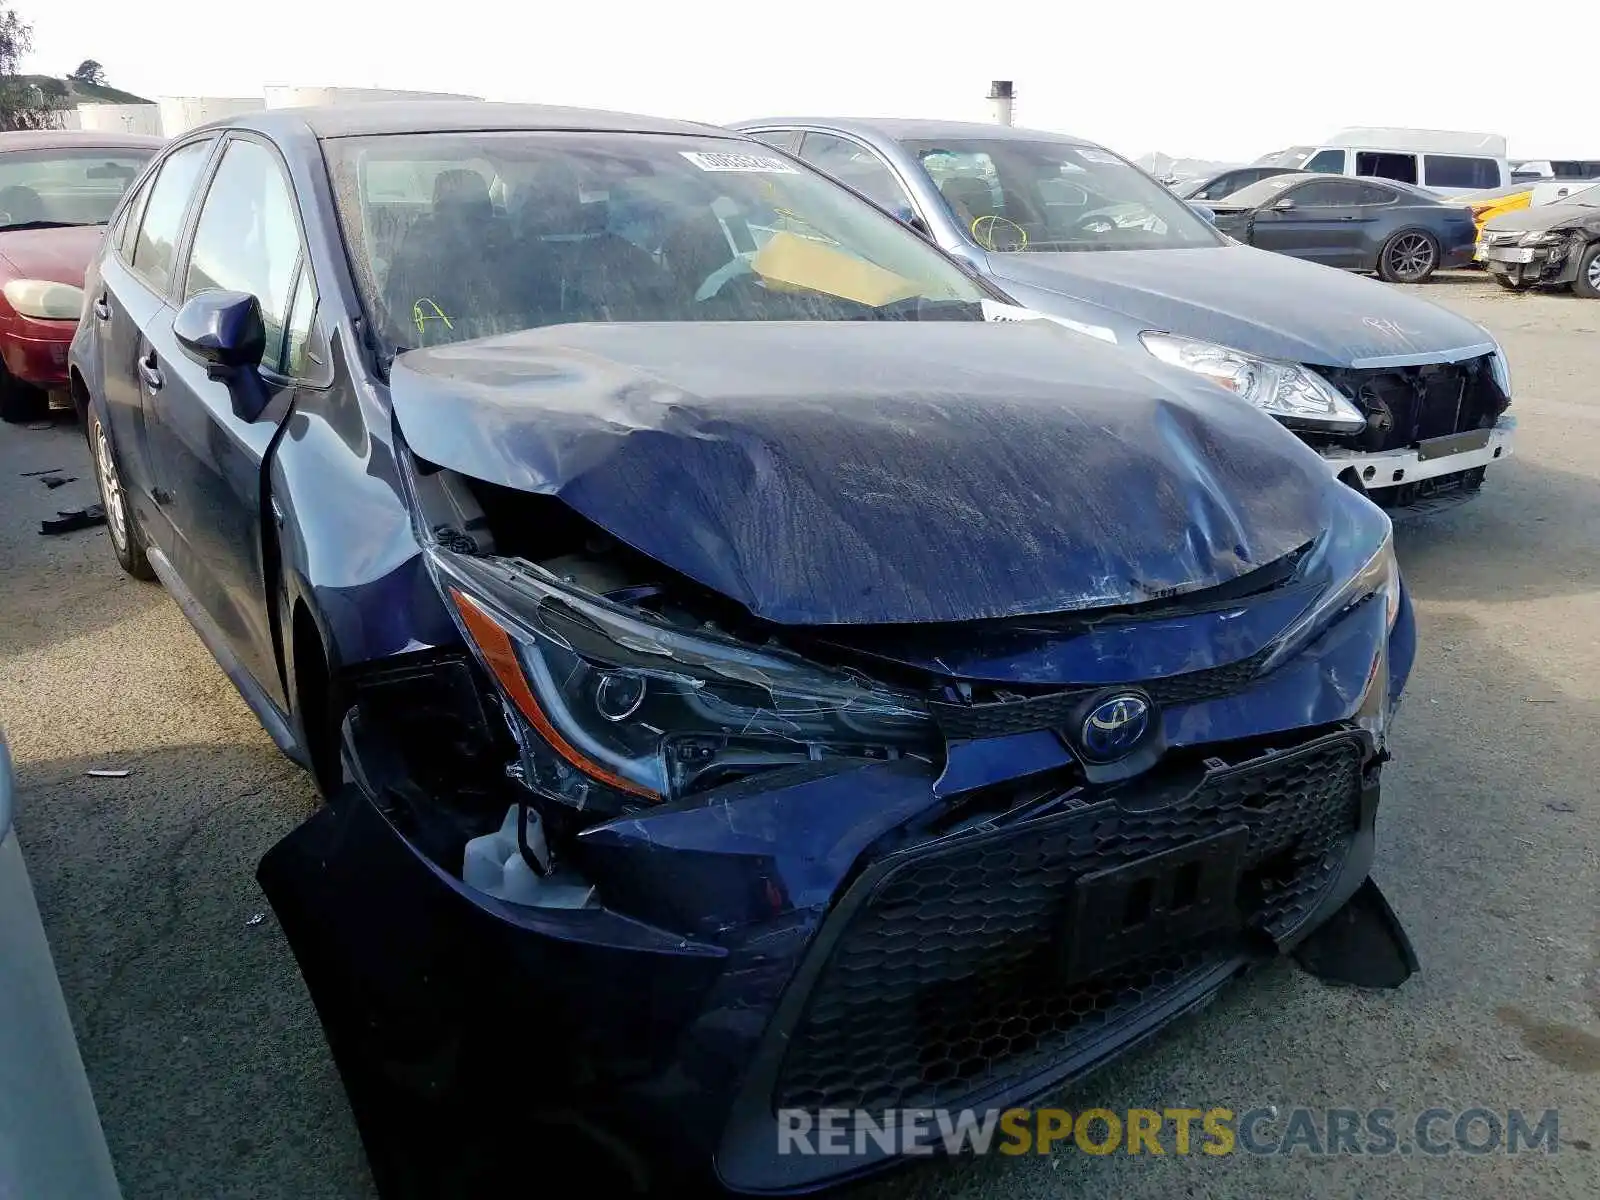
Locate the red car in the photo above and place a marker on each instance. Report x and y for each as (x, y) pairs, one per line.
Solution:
(57, 190)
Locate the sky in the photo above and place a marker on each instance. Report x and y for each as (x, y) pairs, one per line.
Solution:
(1226, 82)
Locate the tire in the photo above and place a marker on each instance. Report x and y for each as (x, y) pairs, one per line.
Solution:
(1587, 284)
(127, 538)
(1510, 284)
(1409, 256)
(21, 402)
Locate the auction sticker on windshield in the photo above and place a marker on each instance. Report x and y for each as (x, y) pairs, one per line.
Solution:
(719, 161)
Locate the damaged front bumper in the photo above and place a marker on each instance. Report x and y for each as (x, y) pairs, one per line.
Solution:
(825, 937)
(1552, 262)
(1437, 460)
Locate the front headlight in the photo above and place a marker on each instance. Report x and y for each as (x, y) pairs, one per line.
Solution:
(1542, 237)
(1294, 394)
(1377, 579)
(45, 299)
(618, 708)
(1500, 369)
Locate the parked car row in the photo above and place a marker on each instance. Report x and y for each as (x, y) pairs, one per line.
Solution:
(783, 618)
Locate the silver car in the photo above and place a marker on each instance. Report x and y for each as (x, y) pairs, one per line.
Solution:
(1403, 399)
(51, 1143)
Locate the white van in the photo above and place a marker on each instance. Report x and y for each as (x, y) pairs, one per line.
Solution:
(1441, 160)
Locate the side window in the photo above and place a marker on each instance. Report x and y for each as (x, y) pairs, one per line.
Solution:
(162, 219)
(1387, 165)
(1453, 171)
(783, 139)
(857, 166)
(1328, 162)
(1325, 193)
(302, 311)
(1372, 193)
(247, 238)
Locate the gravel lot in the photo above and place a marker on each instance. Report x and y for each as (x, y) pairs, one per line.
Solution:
(209, 1065)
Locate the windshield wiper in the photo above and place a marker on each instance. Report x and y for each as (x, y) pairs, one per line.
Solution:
(47, 225)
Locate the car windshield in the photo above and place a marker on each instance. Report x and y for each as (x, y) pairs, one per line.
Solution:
(1261, 191)
(464, 235)
(77, 186)
(1019, 196)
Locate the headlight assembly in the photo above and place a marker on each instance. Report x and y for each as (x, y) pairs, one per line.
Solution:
(1292, 393)
(45, 299)
(615, 708)
(1376, 579)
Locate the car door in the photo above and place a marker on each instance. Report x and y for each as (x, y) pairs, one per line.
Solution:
(135, 277)
(208, 457)
(1318, 220)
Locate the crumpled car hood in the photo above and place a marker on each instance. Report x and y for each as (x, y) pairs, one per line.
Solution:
(866, 472)
(1253, 300)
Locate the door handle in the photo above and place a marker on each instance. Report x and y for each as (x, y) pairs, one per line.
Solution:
(150, 373)
(102, 309)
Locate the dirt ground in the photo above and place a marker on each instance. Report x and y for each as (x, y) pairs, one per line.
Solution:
(213, 1078)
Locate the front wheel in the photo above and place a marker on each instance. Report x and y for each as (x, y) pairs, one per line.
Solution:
(1587, 284)
(127, 539)
(1410, 256)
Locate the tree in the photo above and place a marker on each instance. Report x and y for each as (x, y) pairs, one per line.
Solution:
(88, 71)
(22, 102)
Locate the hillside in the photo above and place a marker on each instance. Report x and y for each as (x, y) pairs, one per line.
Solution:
(68, 93)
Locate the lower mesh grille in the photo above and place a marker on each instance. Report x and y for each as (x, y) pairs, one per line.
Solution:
(947, 979)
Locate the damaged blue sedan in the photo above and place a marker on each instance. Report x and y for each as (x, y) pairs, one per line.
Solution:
(750, 672)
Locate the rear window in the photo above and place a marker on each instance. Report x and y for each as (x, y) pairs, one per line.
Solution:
(1454, 171)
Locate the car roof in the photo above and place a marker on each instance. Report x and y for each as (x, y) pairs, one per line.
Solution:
(68, 139)
(923, 129)
(380, 117)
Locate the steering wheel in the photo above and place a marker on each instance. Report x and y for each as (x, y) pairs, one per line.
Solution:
(999, 234)
(735, 268)
(1094, 223)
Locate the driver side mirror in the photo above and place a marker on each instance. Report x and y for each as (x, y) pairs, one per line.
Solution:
(1285, 205)
(223, 332)
(1202, 211)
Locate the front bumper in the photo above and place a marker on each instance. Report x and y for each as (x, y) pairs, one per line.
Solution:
(1430, 460)
(826, 937)
(1530, 264)
(36, 351)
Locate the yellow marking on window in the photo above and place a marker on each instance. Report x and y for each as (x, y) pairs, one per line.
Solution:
(421, 317)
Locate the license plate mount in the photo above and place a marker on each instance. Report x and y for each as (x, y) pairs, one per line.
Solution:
(1509, 254)
(1452, 443)
(1124, 912)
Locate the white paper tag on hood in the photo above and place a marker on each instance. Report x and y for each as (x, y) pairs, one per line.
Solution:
(993, 310)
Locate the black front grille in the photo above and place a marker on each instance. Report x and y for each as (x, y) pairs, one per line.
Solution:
(1406, 405)
(946, 979)
(1001, 718)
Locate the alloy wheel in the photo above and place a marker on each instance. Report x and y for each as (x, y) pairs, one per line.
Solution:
(1411, 256)
(1593, 273)
(110, 488)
